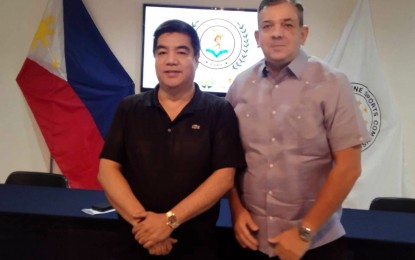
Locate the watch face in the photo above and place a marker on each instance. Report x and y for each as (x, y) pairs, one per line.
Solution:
(305, 233)
(172, 220)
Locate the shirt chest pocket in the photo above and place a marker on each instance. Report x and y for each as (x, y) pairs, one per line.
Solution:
(303, 128)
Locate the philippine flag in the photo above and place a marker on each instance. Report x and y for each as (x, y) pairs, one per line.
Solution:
(73, 83)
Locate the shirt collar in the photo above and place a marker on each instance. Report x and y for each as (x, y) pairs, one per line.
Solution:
(296, 66)
(193, 104)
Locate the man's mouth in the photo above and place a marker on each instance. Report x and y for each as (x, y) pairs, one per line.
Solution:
(171, 72)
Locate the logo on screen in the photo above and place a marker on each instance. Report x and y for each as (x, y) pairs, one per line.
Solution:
(223, 43)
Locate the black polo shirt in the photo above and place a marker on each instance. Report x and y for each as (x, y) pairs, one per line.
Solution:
(164, 160)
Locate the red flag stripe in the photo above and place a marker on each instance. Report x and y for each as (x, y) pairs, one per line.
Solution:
(66, 124)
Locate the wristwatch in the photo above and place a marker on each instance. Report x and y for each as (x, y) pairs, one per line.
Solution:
(172, 220)
(304, 233)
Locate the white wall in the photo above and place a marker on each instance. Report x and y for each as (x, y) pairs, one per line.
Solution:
(21, 144)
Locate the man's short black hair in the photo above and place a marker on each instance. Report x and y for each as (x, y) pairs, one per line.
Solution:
(178, 26)
(296, 3)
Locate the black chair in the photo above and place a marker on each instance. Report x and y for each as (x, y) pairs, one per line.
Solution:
(393, 204)
(37, 179)
(384, 250)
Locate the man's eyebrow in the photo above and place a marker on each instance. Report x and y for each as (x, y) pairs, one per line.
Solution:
(183, 47)
(283, 20)
(288, 20)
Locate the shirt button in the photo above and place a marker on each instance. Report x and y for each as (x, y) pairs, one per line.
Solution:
(169, 130)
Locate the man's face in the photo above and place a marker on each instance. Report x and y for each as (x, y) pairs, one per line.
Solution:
(279, 33)
(175, 60)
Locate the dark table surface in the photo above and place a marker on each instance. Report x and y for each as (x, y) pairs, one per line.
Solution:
(393, 227)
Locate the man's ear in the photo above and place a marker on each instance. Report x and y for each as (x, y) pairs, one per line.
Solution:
(257, 38)
(196, 58)
(304, 34)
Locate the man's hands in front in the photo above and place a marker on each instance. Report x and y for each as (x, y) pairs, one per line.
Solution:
(162, 248)
(289, 245)
(152, 232)
(243, 227)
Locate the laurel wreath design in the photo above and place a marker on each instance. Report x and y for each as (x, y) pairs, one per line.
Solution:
(245, 45)
(205, 85)
(244, 51)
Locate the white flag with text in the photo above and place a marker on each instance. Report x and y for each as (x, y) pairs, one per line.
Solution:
(355, 53)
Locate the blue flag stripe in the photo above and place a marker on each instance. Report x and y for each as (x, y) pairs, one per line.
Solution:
(93, 71)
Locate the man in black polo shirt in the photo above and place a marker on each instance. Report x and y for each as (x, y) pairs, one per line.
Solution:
(169, 157)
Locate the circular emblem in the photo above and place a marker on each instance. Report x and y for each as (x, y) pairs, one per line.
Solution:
(370, 109)
(221, 43)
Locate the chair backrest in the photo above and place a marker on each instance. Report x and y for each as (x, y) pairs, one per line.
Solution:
(393, 204)
(37, 179)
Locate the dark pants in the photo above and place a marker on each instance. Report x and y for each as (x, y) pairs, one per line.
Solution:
(337, 249)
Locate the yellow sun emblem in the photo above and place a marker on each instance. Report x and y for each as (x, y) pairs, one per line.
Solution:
(44, 30)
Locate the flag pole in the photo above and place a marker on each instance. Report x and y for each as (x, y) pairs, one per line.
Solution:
(51, 164)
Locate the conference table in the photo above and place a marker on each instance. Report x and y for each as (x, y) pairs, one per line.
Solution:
(49, 221)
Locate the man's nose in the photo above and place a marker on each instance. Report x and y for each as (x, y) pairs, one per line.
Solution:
(171, 58)
(277, 32)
